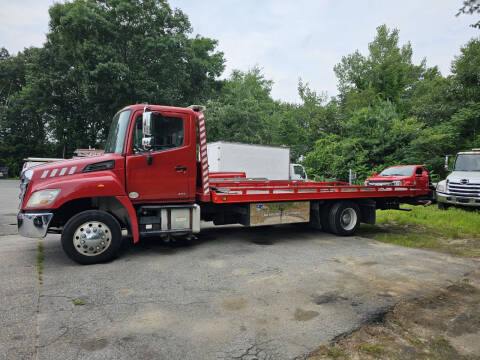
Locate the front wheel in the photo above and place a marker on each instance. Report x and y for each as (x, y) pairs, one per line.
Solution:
(344, 218)
(92, 237)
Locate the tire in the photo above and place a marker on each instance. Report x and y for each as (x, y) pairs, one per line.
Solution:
(92, 237)
(344, 218)
(324, 212)
(443, 206)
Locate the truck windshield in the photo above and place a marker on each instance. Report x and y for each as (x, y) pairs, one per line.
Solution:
(398, 171)
(467, 162)
(116, 135)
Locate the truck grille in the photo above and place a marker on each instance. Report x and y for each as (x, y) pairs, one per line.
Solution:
(380, 183)
(467, 190)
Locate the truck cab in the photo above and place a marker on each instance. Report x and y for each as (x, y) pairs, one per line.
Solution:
(462, 185)
(146, 183)
(297, 172)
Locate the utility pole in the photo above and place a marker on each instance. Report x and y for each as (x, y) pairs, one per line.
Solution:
(351, 176)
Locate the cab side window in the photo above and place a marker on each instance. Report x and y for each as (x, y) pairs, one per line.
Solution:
(167, 133)
(419, 171)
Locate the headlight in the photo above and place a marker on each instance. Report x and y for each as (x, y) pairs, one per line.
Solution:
(28, 174)
(43, 198)
(441, 186)
(365, 183)
(397, 183)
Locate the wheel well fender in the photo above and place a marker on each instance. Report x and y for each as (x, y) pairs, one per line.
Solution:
(119, 206)
(367, 208)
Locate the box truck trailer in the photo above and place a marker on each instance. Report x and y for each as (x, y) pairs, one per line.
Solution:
(256, 161)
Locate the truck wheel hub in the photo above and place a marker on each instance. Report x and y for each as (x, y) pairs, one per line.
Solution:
(92, 238)
(348, 219)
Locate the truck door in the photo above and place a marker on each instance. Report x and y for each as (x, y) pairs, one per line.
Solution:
(165, 171)
(421, 177)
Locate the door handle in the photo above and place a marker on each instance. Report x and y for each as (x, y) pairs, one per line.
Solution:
(180, 168)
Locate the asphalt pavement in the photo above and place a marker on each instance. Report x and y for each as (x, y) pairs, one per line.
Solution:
(274, 292)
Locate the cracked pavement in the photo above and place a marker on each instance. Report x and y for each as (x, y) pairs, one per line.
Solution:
(262, 293)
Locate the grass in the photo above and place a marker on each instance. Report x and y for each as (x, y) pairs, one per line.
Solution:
(78, 302)
(331, 352)
(40, 261)
(455, 231)
(374, 350)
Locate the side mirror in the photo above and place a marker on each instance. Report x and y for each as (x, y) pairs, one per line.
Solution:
(447, 162)
(147, 142)
(147, 128)
(147, 122)
(375, 174)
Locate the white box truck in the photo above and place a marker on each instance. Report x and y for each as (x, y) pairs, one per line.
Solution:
(257, 161)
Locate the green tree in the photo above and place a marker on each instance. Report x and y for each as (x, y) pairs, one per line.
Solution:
(466, 71)
(433, 99)
(384, 74)
(243, 111)
(101, 55)
(373, 138)
(470, 7)
(22, 131)
(300, 125)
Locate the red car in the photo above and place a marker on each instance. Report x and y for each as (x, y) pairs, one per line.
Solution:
(401, 175)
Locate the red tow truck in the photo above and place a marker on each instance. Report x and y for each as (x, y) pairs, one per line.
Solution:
(153, 180)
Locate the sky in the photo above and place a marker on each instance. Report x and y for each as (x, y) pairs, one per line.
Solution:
(288, 39)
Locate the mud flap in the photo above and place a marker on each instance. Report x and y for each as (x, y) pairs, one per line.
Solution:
(368, 210)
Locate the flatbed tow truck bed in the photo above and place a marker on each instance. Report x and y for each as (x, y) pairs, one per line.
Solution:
(225, 191)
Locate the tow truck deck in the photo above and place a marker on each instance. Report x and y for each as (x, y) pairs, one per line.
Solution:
(224, 191)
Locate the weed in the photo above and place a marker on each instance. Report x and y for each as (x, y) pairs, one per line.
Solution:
(443, 348)
(78, 302)
(415, 341)
(333, 352)
(40, 261)
(374, 350)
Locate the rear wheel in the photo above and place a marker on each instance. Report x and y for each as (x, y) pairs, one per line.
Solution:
(91, 237)
(344, 218)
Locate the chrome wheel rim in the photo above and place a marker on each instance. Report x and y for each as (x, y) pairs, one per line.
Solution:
(92, 238)
(348, 219)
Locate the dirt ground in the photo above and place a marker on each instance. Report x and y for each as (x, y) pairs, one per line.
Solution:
(444, 325)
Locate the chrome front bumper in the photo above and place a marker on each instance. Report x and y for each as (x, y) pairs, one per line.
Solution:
(33, 225)
(457, 200)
